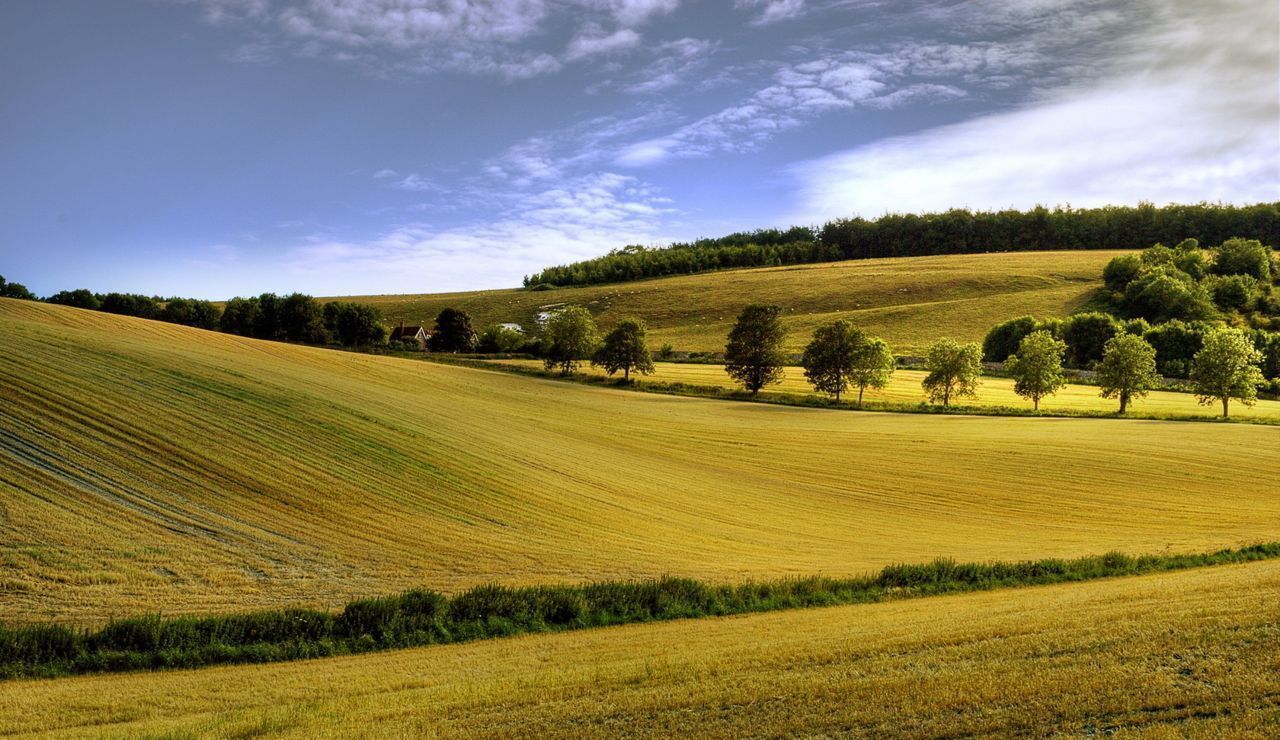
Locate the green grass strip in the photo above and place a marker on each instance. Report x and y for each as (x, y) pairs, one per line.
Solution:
(418, 618)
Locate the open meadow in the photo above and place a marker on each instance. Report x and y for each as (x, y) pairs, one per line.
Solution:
(909, 301)
(151, 467)
(904, 388)
(1188, 654)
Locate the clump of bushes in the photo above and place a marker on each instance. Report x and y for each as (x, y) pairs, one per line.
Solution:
(417, 618)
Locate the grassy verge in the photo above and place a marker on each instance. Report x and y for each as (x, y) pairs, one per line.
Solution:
(418, 618)
(812, 400)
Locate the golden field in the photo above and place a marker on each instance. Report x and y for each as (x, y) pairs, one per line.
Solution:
(904, 388)
(1187, 654)
(150, 467)
(910, 301)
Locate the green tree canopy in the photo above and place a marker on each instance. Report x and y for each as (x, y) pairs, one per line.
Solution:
(829, 357)
(753, 355)
(953, 370)
(1128, 368)
(14, 290)
(499, 338)
(453, 332)
(872, 365)
(1244, 257)
(570, 336)
(1226, 368)
(301, 319)
(1037, 368)
(1086, 334)
(355, 324)
(624, 349)
(79, 298)
(1003, 339)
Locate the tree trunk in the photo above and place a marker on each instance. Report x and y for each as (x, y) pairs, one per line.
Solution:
(1124, 401)
(837, 395)
(861, 388)
(1035, 403)
(626, 373)
(1225, 400)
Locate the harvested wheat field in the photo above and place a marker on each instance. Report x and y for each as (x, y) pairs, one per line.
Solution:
(150, 467)
(1194, 653)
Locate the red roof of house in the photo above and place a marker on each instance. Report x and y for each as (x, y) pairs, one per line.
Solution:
(405, 332)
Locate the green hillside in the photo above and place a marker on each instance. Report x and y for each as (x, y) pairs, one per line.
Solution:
(910, 301)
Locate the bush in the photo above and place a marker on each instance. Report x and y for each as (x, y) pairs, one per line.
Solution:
(1121, 271)
(1176, 343)
(1235, 292)
(1003, 339)
(1244, 257)
(500, 339)
(1165, 293)
(1086, 334)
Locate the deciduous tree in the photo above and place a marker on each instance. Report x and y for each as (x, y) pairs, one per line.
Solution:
(1128, 368)
(453, 332)
(1037, 368)
(1226, 368)
(570, 336)
(872, 366)
(953, 370)
(753, 355)
(829, 359)
(624, 349)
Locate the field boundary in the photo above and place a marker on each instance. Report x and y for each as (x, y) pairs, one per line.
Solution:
(813, 400)
(420, 618)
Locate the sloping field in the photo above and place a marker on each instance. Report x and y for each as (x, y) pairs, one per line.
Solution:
(146, 466)
(909, 301)
(1195, 653)
(904, 387)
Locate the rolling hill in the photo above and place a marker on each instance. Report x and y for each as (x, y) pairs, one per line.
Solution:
(151, 467)
(909, 301)
(1194, 654)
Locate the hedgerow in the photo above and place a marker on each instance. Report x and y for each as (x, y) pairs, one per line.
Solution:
(417, 618)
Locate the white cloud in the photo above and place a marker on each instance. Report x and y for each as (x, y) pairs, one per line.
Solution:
(629, 13)
(507, 38)
(773, 10)
(583, 218)
(1195, 115)
(799, 93)
(593, 42)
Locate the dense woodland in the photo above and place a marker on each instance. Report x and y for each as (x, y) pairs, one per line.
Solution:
(957, 231)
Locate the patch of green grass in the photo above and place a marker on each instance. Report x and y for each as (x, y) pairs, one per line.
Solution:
(419, 618)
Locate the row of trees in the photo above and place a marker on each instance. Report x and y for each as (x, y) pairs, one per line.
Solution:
(295, 318)
(1224, 368)
(957, 231)
(840, 357)
(1087, 334)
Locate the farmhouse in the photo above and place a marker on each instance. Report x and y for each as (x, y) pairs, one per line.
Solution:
(413, 333)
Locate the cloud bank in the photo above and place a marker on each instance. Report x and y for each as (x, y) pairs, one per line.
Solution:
(1190, 111)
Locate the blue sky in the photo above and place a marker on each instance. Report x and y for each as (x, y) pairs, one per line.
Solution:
(222, 147)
